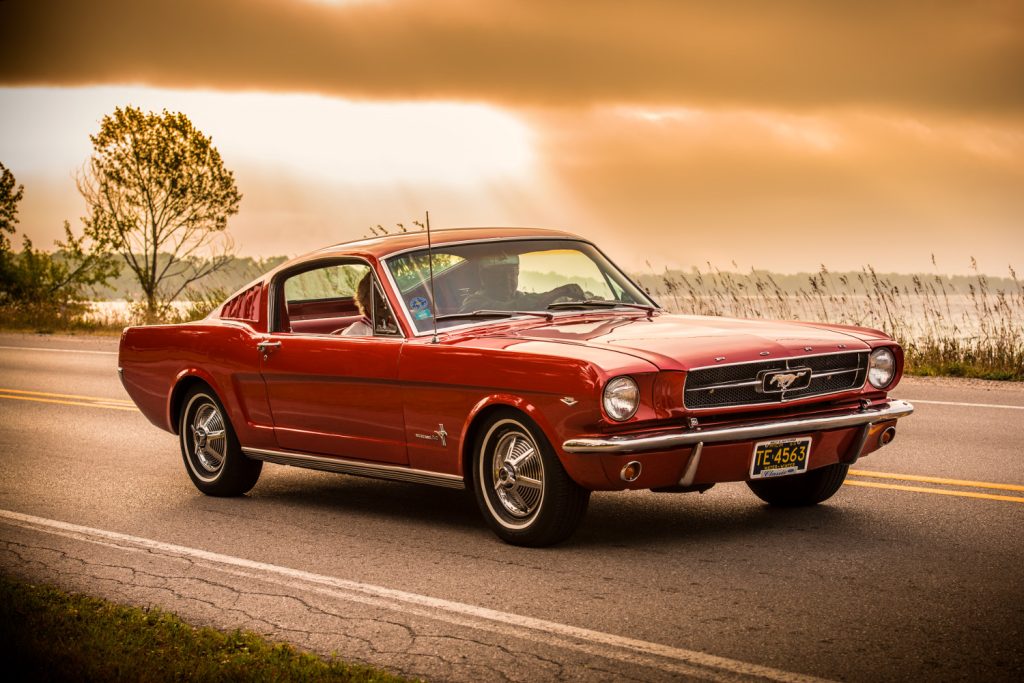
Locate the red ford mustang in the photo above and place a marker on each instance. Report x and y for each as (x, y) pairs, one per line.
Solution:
(520, 363)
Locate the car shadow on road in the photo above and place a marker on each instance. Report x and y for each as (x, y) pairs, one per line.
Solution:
(632, 519)
(363, 500)
(614, 520)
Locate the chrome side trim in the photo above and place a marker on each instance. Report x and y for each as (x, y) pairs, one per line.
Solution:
(356, 467)
(663, 442)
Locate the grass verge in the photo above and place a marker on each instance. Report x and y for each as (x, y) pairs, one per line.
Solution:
(49, 635)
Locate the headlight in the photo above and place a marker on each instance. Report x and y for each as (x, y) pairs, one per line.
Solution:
(881, 368)
(621, 398)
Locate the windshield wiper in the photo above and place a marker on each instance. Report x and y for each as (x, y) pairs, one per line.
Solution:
(599, 303)
(488, 313)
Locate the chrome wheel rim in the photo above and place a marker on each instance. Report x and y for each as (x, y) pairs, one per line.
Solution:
(209, 440)
(517, 474)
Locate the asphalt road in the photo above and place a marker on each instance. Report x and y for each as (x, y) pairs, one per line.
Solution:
(917, 576)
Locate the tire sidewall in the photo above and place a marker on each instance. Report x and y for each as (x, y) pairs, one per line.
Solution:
(483, 458)
(193, 402)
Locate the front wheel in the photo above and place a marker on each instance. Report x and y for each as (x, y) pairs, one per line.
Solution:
(522, 489)
(809, 488)
(213, 459)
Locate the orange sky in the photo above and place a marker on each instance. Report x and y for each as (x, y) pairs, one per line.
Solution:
(776, 135)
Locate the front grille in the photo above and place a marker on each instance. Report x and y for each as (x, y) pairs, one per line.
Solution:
(741, 384)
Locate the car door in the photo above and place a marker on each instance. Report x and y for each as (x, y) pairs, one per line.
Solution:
(330, 393)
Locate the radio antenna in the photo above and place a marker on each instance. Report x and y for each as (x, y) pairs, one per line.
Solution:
(430, 265)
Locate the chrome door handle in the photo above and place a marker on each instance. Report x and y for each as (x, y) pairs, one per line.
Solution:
(265, 346)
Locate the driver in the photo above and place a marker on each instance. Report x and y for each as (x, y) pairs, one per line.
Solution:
(499, 291)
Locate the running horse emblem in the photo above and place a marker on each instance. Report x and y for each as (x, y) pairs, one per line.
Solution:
(784, 382)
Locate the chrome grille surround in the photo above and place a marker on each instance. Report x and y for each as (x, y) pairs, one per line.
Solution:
(741, 384)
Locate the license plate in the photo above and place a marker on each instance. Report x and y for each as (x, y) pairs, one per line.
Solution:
(780, 458)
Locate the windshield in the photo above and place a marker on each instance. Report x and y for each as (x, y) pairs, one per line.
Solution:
(482, 280)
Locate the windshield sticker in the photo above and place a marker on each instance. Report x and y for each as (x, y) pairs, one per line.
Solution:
(417, 303)
(422, 314)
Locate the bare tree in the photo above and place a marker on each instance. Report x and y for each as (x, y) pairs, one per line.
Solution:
(158, 191)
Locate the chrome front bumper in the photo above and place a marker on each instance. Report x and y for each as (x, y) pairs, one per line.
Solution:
(665, 442)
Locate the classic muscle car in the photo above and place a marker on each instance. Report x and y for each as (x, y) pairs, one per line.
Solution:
(519, 363)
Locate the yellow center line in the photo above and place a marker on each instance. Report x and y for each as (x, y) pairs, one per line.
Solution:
(937, 480)
(46, 393)
(68, 403)
(120, 404)
(941, 492)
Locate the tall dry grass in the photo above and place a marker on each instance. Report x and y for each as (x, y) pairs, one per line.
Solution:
(972, 331)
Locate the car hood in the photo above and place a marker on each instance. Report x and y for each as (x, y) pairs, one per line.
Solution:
(682, 342)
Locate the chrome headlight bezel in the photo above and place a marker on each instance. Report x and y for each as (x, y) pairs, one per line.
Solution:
(621, 398)
(881, 368)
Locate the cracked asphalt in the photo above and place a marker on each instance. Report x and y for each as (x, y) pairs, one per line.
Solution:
(878, 583)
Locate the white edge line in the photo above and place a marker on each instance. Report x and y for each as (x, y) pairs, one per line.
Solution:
(717, 665)
(42, 348)
(966, 405)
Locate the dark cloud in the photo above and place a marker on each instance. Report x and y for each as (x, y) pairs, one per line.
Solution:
(930, 54)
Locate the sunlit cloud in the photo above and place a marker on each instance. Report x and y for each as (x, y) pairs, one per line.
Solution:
(798, 130)
(340, 3)
(332, 139)
(314, 169)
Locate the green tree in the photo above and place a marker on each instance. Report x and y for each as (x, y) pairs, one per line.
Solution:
(9, 198)
(42, 285)
(158, 191)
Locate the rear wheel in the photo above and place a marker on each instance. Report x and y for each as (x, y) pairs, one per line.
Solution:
(799, 490)
(213, 459)
(521, 488)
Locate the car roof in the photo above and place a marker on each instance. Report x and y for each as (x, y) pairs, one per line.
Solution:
(382, 247)
(387, 245)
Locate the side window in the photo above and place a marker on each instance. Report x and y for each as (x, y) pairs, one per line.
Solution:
(244, 306)
(335, 299)
(331, 282)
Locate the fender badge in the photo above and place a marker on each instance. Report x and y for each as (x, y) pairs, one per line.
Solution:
(569, 400)
(439, 435)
